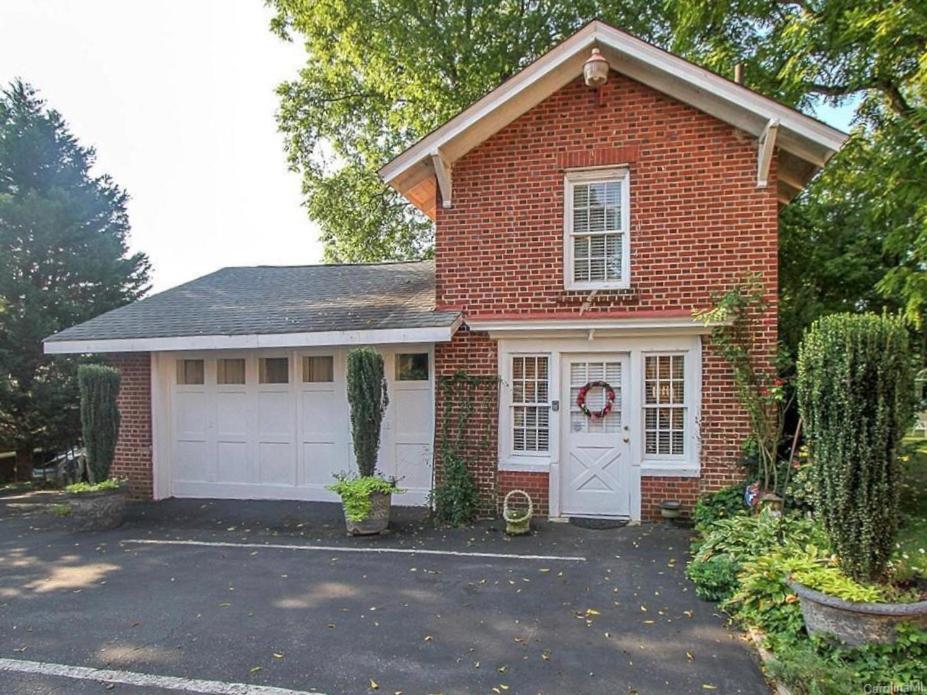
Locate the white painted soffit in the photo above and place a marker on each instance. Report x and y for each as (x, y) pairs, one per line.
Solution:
(248, 342)
(412, 173)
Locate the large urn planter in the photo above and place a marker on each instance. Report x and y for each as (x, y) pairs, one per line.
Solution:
(856, 623)
(377, 521)
(97, 511)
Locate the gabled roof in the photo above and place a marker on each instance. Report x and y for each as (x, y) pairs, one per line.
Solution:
(805, 144)
(274, 306)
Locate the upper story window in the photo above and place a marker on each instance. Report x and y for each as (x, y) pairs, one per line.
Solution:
(596, 236)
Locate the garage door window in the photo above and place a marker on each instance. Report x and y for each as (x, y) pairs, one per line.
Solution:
(318, 369)
(412, 367)
(274, 370)
(190, 372)
(231, 371)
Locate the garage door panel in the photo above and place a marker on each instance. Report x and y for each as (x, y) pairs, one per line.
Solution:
(413, 465)
(275, 414)
(234, 463)
(192, 415)
(321, 415)
(321, 461)
(192, 461)
(413, 414)
(276, 463)
(232, 416)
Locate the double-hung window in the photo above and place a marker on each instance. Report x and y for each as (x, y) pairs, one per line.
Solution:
(530, 405)
(596, 234)
(665, 410)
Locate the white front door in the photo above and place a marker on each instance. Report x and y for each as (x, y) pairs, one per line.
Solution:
(596, 452)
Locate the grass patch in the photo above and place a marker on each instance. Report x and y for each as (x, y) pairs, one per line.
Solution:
(912, 534)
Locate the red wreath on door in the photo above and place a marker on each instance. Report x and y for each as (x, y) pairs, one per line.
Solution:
(609, 399)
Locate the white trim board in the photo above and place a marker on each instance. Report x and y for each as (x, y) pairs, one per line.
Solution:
(245, 342)
(590, 328)
(801, 135)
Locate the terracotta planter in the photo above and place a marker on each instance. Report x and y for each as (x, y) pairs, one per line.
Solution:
(98, 511)
(856, 623)
(378, 519)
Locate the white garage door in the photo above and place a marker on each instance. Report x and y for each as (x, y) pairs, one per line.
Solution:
(275, 424)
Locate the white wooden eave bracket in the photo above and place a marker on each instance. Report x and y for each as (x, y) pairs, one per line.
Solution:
(443, 174)
(764, 153)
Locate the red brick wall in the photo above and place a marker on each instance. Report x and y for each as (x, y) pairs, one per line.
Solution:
(133, 449)
(699, 225)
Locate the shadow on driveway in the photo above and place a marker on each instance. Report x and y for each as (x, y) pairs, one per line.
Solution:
(623, 620)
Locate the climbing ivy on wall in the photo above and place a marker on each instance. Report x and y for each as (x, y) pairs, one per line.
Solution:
(467, 401)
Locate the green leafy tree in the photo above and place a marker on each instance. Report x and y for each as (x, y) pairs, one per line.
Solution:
(381, 74)
(857, 239)
(63, 260)
(856, 393)
(368, 400)
(99, 417)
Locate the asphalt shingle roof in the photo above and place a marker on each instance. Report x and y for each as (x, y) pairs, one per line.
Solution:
(285, 299)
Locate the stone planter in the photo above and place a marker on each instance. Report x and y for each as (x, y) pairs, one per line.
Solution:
(856, 623)
(97, 511)
(378, 519)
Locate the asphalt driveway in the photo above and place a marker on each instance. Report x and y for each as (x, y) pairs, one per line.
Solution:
(213, 594)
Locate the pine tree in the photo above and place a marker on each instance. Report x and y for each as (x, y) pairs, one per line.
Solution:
(63, 259)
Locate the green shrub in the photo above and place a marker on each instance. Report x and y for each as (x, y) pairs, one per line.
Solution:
(355, 493)
(807, 672)
(715, 579)
(99, 417)
(368, 399)
(108, 484)
(456, 497)
(746, 537)
(855, 391)
(719, 505)
(728, 544)
(799, 493)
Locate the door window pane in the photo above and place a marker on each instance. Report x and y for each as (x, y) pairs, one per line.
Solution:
(412, 367)
(230, 371)
(190, 372)
(318, 368)
(274, 370)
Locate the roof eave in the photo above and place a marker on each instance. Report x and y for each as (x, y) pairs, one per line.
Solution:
(411, 173)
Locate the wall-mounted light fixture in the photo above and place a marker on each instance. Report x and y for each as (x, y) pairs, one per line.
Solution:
(595, 72)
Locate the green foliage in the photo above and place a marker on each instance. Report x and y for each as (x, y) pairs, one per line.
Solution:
(355, 493)
(99, 417)
(801, 667)
(61, 510)
(715, 579)
(380, 74)
(108, 484)
(863, 223)
(730, 543)
(464, 397)
(368, 399)
(733, 318)
(63, 259)
(456, 497)
(855, 390)
(718, 505)
(799, 493)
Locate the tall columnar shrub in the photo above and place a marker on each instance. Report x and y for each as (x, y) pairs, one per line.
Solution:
(855, 391)
(368, 399)
(99, 417)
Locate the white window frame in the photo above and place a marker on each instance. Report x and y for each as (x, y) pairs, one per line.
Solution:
(656, 464)
(600, 175)
(511, 459)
